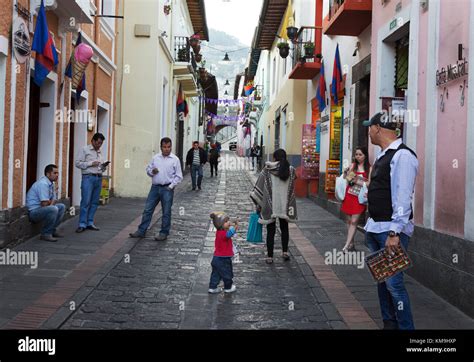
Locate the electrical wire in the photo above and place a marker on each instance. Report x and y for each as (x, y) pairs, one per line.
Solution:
(224, 51)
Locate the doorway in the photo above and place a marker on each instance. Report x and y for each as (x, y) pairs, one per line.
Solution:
(33, 135)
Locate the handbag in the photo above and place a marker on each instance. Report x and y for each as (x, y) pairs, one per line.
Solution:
(340, 189)
(382, 265)
(254, 233)
(363, 194)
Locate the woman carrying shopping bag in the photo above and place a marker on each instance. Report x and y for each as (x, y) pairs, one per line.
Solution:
(356, 175)
(274, 193)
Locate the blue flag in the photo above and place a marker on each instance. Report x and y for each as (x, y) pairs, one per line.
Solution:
(46, 54)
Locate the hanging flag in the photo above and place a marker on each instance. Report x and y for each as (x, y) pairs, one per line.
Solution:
(46, 54)
(287, 21)
(321, 91)
(248, 89)
(336, 85)
(181, 104)
(76, 68)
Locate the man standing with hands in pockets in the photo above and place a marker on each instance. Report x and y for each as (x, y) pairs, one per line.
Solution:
(165, 171)
(92, 165)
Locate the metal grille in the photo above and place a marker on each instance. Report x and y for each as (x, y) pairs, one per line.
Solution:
(401, 64)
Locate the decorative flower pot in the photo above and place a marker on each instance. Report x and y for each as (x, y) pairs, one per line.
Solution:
(197, 57)
(284, 51)
(291, 32)
(196, 48)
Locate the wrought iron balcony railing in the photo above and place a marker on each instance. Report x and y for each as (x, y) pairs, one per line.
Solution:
(304, 46)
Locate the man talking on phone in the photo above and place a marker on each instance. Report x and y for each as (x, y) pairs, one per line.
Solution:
(92, 165)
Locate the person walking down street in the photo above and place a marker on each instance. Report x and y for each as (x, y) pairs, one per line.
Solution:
(165, 172)
(259, 157)
(390, 195)
(356, 175)
(196, 159)
(42, 206)
(214, 159)
(253, 155)
(274, 195)
(223, 253)
(92, 165)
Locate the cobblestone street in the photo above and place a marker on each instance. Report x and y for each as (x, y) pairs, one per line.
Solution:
(105, 280)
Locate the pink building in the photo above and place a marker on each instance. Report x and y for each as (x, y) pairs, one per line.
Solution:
(420, 52)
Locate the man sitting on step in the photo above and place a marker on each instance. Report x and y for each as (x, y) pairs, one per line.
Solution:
(41, 203)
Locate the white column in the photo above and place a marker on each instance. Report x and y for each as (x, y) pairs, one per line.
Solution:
(469, 213)
(412, 97)
(3, 73)
(431, 117)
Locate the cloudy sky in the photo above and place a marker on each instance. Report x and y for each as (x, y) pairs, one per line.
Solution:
(235, 17)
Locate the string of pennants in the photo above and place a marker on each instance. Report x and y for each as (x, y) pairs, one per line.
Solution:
(225, 118)
(223, 101)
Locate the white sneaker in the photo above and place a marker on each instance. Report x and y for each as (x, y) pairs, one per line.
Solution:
(215, 291)
(232, 289)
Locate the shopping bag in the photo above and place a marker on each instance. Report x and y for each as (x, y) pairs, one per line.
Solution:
(341, 186)
(363, 194)
(254, 233)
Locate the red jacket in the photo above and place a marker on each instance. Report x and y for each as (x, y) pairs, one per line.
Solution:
(223, 244)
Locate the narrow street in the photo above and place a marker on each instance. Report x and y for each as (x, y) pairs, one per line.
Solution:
(110, 281)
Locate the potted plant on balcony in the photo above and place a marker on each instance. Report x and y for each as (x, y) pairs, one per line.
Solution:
(309, 50)
(167, 9)
(197, 57)
(194, 41)
(284, 49)
(182, 55)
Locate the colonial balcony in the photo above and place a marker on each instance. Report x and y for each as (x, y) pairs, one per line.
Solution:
(185, 67)
(82, 11)
(306, 64)
(347, 17)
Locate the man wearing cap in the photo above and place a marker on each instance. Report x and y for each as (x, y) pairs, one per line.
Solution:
(390, 224)
(165, 172)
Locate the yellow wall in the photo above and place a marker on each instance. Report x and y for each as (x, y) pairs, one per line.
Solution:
(292, 94)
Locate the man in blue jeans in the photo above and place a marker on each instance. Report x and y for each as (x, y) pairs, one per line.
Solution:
(41, 203)
(196, 158)
(92, 165)
(165, 171)
(390, 194)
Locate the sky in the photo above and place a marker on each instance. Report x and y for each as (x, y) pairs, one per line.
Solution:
(235, 17)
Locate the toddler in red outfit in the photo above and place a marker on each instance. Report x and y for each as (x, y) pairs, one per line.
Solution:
(223, 253)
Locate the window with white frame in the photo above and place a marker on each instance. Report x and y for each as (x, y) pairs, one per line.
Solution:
(108, 8)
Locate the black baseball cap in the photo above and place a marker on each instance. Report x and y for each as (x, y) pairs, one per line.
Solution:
(384, 120)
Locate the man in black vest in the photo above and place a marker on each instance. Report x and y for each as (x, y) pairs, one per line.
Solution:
(390, 195)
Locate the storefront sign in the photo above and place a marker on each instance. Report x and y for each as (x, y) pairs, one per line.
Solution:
(309, 156)
(21, 40)
(451, 72)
